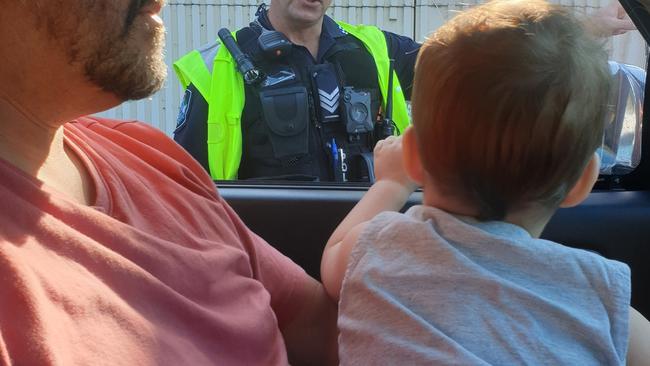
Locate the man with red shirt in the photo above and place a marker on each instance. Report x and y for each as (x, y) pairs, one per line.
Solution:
(115, 247)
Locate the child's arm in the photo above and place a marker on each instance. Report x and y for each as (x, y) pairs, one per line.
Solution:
(389, 193)
(638, 352)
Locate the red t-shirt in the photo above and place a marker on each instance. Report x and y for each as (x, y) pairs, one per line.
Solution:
(159, 270)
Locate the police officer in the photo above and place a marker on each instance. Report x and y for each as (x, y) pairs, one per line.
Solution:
(311, 114)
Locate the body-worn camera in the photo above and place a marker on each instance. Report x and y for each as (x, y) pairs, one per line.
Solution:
(358, 115)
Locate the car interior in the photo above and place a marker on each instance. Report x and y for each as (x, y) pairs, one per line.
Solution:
(298, 217)
(614, 221)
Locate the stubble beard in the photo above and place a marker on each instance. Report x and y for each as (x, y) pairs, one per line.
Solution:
(126, 69)
(118, 52)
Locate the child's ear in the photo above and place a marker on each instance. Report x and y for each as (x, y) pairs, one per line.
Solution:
(411, 156)
(583, 186)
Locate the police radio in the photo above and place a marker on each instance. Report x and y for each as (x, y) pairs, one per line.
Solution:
(385, 126)
(252, 75)
(273, 44)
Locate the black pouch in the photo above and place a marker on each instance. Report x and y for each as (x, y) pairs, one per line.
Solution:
(286, 112)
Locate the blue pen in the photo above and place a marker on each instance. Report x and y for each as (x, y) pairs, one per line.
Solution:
(335, 156)
(334, 150)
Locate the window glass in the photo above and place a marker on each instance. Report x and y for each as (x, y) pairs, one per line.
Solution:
(191, 25)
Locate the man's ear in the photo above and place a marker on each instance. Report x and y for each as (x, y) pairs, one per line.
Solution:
(585, 183)
(411, 156)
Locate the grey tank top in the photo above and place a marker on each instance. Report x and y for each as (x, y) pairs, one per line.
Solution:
(429, 288)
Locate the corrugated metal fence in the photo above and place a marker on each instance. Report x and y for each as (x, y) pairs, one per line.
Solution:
(192, 23)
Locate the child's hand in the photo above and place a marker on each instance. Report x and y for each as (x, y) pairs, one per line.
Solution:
(389, 163)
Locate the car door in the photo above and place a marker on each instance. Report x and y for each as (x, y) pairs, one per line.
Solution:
(614, 221)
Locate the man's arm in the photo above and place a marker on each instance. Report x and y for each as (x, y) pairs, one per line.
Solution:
(638, 352)
(306, 317)
(311, 336)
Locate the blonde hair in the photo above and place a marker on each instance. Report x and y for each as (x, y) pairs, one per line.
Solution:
(508, 104)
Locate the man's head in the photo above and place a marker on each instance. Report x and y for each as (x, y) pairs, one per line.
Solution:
(116, 44)
(299, 13)
(509, 102)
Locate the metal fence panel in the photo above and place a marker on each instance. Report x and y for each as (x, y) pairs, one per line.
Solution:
(192, 23)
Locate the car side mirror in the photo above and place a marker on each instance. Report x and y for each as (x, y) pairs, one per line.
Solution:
(621, 149)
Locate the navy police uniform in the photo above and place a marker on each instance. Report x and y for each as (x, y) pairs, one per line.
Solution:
(341, 61)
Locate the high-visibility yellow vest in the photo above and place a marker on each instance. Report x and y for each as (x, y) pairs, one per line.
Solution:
(223, 89)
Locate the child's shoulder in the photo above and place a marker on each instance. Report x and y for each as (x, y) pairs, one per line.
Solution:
(416, 222)
(415, 215)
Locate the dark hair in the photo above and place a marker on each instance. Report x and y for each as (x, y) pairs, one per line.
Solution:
(509, 103)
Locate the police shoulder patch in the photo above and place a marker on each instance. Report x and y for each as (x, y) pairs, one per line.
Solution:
(184, 109)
